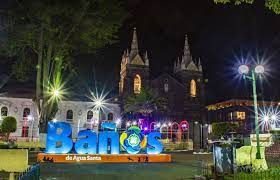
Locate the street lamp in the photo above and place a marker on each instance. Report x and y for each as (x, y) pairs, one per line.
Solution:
(98, 104)
(258, 70)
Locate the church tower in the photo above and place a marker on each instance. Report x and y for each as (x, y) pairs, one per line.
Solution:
(190, 73)
(134, 73)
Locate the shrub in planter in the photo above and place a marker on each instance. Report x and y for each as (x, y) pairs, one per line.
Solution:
(8, 126)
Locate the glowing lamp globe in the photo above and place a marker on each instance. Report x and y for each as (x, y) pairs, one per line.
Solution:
(56, 92)
(266, 118)
(158, 125)
(98, 103)
(259, 69)
(273, 117)
(243, 69)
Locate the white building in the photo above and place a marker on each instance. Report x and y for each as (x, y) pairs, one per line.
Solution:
(78, 113)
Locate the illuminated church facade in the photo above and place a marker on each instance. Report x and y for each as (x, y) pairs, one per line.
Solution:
(183, 89)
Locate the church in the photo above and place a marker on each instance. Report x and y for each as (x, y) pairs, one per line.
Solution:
(183, 90)
(182, 115)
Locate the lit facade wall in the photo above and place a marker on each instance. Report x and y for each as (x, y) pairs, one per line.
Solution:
(80, 110)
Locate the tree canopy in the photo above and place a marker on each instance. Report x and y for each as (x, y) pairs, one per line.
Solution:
(45, 35)
(8, 126)
(273, 5)
(147, 101)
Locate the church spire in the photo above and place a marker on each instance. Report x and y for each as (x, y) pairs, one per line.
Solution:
(187, 54)
(199, 65)
(134, 45)
(146, 59)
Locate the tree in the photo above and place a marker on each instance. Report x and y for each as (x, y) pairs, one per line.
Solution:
(273, 5)
(223, 128)
(147, 101)
(49, 33)
(8, 126)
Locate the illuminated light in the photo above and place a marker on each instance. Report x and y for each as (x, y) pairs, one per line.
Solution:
(259, 69)
(98, 103)
(206, 125)
(134, 123)
(169, 124)
(266, 118)
(56, 92)
(118, 121)
(96, 121)
(273, 117)
(184, 125)
(164, 125)
(128, 124)
(145, 128)
(243, 69)
(54, 120)
(158, 125)
(29, 117)
(195, 122)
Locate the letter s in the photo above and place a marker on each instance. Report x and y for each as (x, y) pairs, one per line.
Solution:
(63, 138)
(154, 146)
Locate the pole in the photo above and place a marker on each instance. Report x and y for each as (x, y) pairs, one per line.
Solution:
(258, 154)
(201, 138)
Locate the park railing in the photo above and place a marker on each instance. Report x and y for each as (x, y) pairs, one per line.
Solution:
(32, 173)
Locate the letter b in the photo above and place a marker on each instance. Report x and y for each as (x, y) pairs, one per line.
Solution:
(59, 142)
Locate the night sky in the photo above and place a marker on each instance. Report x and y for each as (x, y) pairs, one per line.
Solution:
(219, 35)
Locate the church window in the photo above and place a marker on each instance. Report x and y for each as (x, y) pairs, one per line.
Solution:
(26, 112)
(240, 115)
(110, 116)
(4, 111)
(193, 88)
(89, 116)
(166, 88)
(137, 84)
(69, 115)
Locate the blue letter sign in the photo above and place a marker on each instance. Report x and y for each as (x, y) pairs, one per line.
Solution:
(133, 140)
(58, 140)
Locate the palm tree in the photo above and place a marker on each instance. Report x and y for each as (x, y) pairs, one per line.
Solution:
(146, 102)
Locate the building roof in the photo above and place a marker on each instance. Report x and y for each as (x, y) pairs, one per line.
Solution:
(239, 102)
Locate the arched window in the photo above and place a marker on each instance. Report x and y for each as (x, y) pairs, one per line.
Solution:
(166, 87)
(89, 115)
(193, 88)
(26, 112)
(110, 117)
(69, 115)
(137, 84)
(4, 111)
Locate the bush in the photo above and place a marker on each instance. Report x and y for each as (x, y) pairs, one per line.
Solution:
(8, 126)
(223, 128)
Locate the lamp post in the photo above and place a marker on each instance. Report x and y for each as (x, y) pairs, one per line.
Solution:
(98, 104)
(259, 69)
(201, 133)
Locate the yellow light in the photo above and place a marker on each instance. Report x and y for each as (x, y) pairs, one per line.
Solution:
(56, 92)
